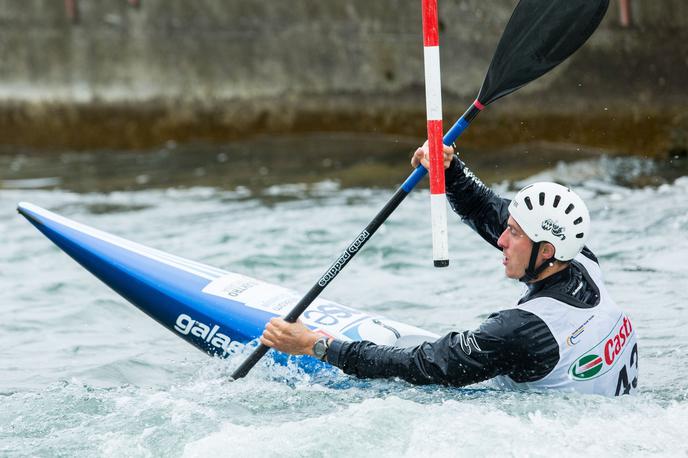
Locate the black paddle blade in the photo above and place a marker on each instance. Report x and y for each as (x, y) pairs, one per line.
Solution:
(539, 36)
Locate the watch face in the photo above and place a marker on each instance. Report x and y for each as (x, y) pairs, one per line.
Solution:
(319, 348)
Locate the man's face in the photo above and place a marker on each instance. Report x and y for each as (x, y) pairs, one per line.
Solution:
(516, 247)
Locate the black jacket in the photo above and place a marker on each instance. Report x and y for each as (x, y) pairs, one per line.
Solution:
(511, 342)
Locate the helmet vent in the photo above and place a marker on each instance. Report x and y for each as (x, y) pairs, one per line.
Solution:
(578, 220)
(569, 209)
(556, 201)
(542, 199)
(579, 235)
(529, 204)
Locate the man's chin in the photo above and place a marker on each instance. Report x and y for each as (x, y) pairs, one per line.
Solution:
(512, 275)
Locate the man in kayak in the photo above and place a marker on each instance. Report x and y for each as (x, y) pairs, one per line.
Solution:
(565, 332)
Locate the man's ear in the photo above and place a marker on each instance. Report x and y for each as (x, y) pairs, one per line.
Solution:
(547, 250)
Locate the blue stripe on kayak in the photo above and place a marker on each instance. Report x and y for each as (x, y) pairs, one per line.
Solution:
(160, 290)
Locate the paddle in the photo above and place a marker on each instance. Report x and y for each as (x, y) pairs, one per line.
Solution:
(539, 35)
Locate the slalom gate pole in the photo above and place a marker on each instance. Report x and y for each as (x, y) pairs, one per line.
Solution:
(433, 105)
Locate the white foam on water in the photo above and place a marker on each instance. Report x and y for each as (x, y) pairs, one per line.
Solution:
(391, 427)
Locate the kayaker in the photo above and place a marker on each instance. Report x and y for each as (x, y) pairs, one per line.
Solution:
(564, 333)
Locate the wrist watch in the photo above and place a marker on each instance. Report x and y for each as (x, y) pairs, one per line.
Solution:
(320, 348)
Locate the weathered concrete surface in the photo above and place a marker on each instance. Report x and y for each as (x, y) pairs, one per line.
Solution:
(218, 70)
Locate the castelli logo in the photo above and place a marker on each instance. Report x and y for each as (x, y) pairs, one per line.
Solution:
(557, 230)
(614, 346)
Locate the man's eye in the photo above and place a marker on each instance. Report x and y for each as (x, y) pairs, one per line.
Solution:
(513, 232)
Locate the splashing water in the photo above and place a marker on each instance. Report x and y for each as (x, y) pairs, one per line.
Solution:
(84, 373)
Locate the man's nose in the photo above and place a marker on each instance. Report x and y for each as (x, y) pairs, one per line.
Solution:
(501, 242)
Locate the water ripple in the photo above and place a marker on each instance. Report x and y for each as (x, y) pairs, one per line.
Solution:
(85, 373)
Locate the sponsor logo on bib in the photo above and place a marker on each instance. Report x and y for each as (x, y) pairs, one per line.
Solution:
(573, 339)
(603, 356)
(587, 367)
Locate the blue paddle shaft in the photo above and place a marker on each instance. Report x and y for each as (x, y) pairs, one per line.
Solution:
(449, 138)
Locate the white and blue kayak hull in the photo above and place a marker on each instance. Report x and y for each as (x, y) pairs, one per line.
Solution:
(217, 311)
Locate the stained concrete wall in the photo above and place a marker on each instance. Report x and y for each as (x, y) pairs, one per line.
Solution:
(220, 69)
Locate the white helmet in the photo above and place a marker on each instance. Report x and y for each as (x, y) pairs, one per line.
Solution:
(550, 212)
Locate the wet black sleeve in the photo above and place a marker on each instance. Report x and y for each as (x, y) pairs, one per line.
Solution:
(512, 342)
(479, 207)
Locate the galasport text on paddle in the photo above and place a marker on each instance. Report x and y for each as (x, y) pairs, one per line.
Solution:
(539, 36)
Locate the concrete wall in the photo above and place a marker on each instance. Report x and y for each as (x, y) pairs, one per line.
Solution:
(221, 69)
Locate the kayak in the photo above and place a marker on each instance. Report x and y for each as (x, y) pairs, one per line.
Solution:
(216, 311)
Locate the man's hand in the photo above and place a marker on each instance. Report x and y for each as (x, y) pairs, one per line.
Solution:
(422, 156)
(292, 338)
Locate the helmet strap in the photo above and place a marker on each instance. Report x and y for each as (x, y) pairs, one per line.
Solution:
(531, 271)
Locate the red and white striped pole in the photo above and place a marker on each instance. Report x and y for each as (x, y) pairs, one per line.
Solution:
(433, 105)
(72, 9)
(625, 13)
